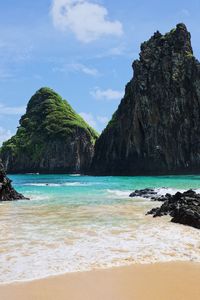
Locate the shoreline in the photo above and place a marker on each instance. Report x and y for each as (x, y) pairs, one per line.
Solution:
(99, 269)
(170, 280)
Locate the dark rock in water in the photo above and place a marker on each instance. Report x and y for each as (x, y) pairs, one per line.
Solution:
(156, 128)
(145, 193)
(7, 192)
(51, 138)
(149, 193)
(184, 208)
(186, 216)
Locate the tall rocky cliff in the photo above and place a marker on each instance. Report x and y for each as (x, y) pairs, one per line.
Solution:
(51, 138)
(7, 192)
(156, 128)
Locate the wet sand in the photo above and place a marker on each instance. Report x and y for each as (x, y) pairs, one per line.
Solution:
(163, 281)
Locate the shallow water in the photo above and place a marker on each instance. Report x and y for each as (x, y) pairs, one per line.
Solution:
(77, 223)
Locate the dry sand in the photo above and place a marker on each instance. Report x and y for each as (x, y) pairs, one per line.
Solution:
(167, 281)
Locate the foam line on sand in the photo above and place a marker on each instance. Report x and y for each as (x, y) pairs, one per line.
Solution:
(162, 281)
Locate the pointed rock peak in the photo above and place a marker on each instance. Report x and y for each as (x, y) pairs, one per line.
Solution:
(51, 138)
(45, 91)
(177, 41)
(181, 38)
(157, 34)
(42, 95)
(181, 26)
(155, 126)
(48, 108)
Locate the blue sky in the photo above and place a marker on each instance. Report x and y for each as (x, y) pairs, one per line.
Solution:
(81, 48)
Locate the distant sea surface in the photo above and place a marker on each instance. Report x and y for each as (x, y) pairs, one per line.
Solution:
(77, 223)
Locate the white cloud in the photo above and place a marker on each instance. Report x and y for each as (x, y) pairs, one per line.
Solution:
(97, 122)
(102, 119)
(4, 135)
(76, 67)
(85, 69)
(89, 118)
(7, 110)
(108, 94)
(87, 20)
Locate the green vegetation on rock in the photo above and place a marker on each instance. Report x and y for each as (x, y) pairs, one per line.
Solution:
(48, 118)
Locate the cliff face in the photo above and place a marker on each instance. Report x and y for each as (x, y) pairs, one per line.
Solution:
(51, 138)
(7, 192)
(156, 128)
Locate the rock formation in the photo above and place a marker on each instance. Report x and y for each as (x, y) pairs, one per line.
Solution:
(145, 193)
(184, 208)
(7, 192)
(156, 128)
(51, 138)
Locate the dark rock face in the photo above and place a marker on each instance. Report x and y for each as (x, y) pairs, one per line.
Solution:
(156, 128)
(184, 208)
(7, 192)
(51, 138)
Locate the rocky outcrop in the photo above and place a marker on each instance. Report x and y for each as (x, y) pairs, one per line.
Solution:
(184, 208)
(153, 194)
(51, 138)
(145, 193)
(156, 128)
(7, 192)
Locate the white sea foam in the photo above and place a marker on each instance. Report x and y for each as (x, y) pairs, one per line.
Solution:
(74, 175)
(119, 193)
(32, 173)
(46, 184)
(163, 191)
(41, 184)
(40, 241)
(96, 247)
(78, 184)
(125, 193)
(36, 197)
(45, 238)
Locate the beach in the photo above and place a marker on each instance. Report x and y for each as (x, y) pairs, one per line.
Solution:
(82, 237)
(79, 223)
(99, 153)
(166, 281)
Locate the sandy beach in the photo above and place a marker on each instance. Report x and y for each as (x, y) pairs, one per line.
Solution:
(166, 281)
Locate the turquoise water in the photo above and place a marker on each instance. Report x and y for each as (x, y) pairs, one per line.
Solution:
(76, 223)
(83, 184)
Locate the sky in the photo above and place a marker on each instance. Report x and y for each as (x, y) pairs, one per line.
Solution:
(83, 49)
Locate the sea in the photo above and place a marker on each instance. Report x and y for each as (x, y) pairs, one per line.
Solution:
(75, 223)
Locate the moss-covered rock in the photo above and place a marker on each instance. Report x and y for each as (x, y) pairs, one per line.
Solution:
(51, 137)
